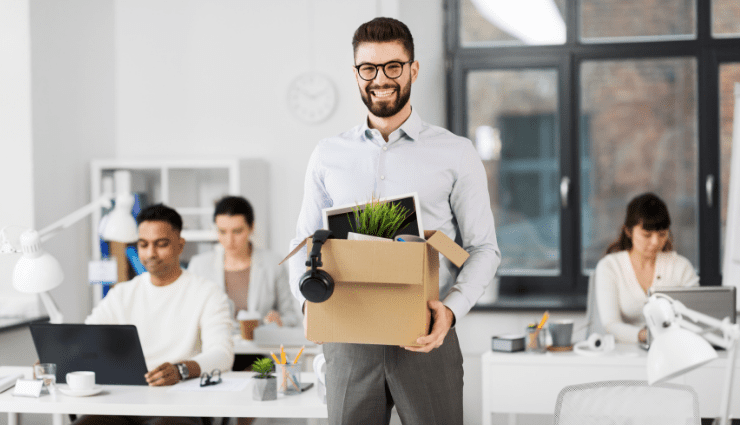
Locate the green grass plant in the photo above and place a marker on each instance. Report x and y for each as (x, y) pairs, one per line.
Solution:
(378, 218)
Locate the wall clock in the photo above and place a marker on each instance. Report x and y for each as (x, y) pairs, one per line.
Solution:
(312, 97)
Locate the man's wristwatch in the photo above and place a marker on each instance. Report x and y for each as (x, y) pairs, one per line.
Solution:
(183, 369)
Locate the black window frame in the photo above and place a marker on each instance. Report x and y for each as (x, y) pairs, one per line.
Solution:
(568, 291)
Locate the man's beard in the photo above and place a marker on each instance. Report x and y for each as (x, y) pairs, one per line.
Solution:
(385, 109)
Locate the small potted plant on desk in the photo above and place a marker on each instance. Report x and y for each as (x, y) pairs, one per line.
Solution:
(378, 220)
(265, 383)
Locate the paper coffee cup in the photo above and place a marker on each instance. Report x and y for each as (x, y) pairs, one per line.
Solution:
(248, 320)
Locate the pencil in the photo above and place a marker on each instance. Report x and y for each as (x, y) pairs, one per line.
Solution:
(544, 319)
(299, 355)
(282, 354)
(274, 357)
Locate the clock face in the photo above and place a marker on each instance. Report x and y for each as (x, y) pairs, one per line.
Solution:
(312, 97)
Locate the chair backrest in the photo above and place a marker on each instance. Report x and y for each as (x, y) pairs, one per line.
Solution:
(627, 403)
(593, 318)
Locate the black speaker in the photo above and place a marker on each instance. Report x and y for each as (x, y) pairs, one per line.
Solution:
(317, 285)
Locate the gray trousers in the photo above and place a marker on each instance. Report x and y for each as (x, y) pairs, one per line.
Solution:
(364, 382)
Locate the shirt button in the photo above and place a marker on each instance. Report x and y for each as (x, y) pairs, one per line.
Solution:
(385, 148)
(382, 177)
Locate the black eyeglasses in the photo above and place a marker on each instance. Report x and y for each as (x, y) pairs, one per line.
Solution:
(212, 378)
(392, 70)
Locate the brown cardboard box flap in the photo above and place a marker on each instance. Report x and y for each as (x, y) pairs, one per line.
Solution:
(447, 247)
(298, 248)
(376, 262)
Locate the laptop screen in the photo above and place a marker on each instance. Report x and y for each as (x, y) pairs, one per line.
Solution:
(113, 352)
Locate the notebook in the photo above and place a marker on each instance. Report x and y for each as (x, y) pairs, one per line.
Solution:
(113, 352)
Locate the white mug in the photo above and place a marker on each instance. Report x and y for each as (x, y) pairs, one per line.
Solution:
(319, 362)
(81, 381)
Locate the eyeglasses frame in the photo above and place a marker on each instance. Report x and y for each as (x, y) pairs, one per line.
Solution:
(215, 373)
(383, 65)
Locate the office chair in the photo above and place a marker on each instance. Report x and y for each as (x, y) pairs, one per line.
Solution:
(627, 403)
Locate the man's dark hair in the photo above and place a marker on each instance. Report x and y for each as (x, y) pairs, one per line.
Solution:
(382, 30)
(235, 205)
(160, 212)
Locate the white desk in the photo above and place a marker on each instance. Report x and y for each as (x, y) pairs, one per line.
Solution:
(530, 383)
(157, 401)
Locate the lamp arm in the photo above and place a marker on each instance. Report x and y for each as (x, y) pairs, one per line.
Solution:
(49, 231)
(55, 316)
(728, 329)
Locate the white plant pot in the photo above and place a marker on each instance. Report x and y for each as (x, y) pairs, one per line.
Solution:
(352, 236)
(265, 389)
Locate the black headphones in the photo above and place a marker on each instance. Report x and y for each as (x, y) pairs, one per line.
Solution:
(316, 285)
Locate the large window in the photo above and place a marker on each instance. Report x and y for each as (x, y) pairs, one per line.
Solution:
(577, 107)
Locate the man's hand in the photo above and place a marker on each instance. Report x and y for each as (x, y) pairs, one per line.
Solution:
(442, 318)
(273, 317)
(164, 374)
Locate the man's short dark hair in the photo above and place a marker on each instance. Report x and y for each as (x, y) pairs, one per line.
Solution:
(235, 205)
(383, 30)
(160, 212)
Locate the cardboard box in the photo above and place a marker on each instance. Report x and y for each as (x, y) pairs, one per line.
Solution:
(381, 289)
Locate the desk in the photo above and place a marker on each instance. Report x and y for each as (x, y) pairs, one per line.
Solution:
(530, 383)
(157, 401)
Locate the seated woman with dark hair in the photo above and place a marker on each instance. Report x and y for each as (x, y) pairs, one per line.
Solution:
(641, 257)
(250, 275)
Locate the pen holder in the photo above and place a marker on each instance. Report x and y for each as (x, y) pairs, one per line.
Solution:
(536, 340)
(289, 378)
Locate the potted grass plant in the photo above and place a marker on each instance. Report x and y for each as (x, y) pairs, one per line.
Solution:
(378, 220)
(265, 383)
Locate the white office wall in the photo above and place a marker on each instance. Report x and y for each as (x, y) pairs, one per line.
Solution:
(16, 165)
(210, 79)
(73, 122)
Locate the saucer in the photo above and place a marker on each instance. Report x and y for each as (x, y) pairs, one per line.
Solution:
(79, 393)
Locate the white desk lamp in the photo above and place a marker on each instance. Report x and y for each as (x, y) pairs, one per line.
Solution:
(37, 271)
(679, 346)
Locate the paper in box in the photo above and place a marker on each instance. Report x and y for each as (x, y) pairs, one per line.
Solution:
(381, 289)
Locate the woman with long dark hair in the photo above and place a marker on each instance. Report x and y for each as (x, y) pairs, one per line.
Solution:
(640, 258)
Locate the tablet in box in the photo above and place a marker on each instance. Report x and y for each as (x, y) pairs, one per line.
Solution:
(381, 289)
(337, 219)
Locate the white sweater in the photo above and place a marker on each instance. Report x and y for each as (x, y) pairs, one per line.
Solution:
(185, 320)
(619, 296)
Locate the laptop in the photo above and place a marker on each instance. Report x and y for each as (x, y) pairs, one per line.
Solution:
(715, 301)
(113, 352)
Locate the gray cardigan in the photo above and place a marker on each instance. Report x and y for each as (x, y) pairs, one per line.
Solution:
(268, 282)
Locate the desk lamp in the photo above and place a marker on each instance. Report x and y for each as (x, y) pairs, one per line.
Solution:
(680, 346)
(37, 271)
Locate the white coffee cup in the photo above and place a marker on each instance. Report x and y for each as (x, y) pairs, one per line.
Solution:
(81, 381)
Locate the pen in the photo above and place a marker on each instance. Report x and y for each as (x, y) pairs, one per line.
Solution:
(274, 357)
(282, 354)
(299, 355)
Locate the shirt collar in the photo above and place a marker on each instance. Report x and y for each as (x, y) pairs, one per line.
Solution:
(411, 127)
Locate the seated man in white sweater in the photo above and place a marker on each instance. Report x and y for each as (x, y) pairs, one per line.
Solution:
(183, 320)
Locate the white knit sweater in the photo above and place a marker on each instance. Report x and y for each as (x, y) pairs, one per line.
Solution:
(185, 320)
(619, 296)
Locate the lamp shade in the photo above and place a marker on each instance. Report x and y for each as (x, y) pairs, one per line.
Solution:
(675, 351)
(120, 225)
(36, 271)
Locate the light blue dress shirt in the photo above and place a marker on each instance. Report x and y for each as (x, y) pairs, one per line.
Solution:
(442, 168)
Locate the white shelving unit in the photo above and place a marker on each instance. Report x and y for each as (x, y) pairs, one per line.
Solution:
(191, 187)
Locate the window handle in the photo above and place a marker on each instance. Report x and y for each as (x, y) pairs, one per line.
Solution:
(564, 190)
(709, 185)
